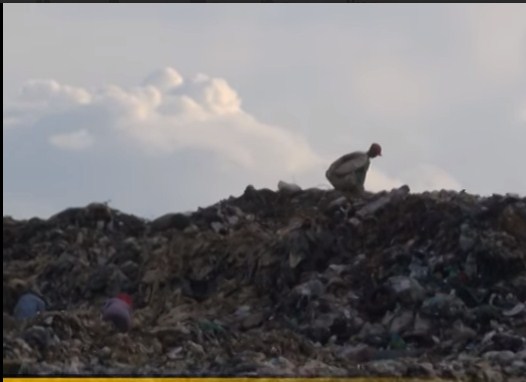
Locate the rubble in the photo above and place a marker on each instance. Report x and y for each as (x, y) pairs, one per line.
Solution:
(288, 187)
(287, 283)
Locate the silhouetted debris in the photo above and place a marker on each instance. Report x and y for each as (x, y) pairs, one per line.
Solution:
(291, 283)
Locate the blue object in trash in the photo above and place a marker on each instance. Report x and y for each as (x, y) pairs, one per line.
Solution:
(28, 306)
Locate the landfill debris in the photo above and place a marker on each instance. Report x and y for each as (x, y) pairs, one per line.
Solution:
(288, 187)
(273, 283)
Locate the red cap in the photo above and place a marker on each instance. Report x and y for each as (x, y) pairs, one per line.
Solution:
(126, 298)
(375, 150)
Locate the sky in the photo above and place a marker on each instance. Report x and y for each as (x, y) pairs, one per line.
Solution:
(158, 108)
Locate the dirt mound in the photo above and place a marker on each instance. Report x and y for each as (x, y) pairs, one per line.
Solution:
(299, 282)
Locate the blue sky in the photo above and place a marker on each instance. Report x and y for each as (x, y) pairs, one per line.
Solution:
(168, 107)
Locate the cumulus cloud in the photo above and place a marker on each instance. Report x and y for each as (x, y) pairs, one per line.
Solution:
(51, 92)
(165, 114)
(78, 140)
(194, 129)
(165, 79)
(38, 98)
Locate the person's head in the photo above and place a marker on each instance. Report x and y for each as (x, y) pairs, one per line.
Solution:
(126, 298)
(375, 150)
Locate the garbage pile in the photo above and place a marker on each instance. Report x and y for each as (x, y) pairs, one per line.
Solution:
(274, 283)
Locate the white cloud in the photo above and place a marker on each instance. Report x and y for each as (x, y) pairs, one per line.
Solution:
(51, 91)
(377, 181)
(38, 98)
(426, 177)
(164, 115)
(156, 124)
(78, 140)
(165, 79)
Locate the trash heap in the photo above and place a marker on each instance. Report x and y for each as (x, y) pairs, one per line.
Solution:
(277, 283)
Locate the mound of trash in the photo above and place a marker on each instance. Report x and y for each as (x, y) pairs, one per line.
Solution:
(275, 283)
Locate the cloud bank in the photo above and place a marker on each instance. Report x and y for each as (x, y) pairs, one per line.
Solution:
(163, 115)
(170, 143)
